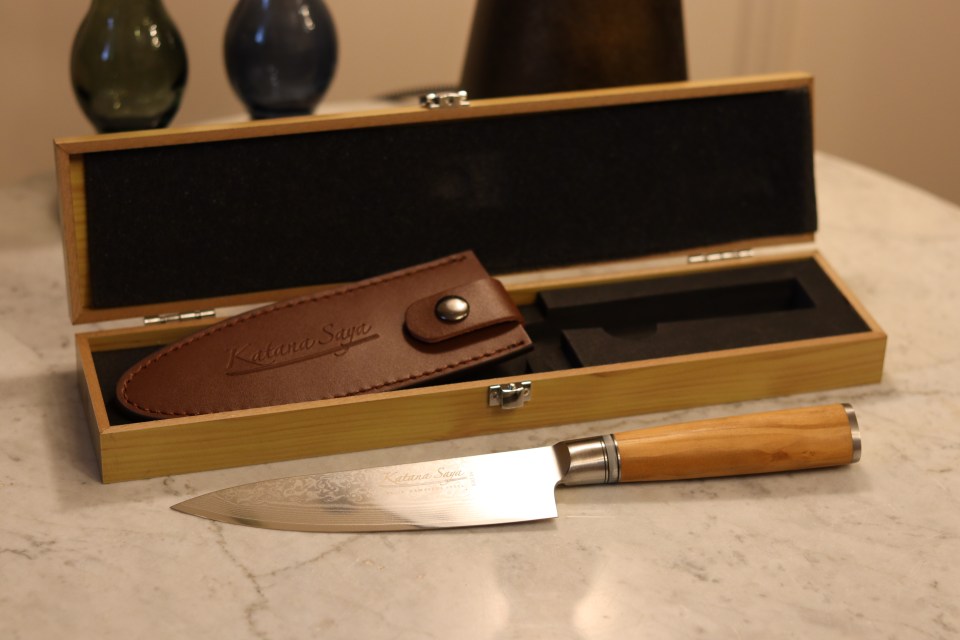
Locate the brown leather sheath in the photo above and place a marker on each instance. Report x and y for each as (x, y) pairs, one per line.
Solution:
(375, 335)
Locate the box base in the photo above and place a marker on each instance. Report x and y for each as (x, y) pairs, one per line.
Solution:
(806, 334)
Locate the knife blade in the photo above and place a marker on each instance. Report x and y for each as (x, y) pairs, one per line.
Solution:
(516, 486)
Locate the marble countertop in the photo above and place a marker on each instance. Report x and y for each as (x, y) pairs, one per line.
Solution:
(865, 551)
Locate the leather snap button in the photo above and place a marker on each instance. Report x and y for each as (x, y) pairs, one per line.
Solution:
(452, 309)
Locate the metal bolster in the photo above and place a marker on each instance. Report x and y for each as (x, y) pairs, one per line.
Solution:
(589, 461)
(854, 432)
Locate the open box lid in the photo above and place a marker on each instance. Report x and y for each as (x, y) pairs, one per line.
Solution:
(173, 220)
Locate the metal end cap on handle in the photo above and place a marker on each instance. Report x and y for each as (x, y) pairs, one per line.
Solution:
(854, 432)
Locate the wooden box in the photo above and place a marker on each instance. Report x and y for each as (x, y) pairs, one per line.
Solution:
(637, 186)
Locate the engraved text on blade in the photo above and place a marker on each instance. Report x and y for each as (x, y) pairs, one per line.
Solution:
(356, 487)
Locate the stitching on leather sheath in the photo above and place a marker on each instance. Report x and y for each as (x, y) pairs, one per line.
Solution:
(486, 354)
(293, 303)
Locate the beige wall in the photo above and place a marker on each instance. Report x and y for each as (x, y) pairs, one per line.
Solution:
(887, 84)
(887, 73)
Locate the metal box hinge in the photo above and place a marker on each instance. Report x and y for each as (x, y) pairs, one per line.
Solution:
(720, 256)
(509, 396)
(164, 318)
(444, 100)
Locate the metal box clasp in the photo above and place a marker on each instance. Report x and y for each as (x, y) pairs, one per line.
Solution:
(444, 100)
(509, 396)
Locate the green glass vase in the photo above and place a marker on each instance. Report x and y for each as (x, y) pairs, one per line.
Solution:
(128, 65)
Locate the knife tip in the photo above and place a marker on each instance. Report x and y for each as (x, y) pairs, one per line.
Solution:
(185, 507)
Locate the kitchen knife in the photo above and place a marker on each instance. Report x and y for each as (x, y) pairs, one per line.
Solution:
(516, 486)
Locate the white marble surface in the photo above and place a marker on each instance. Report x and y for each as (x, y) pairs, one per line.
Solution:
(869, 551)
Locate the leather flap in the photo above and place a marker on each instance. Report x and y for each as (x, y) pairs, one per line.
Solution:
(487, 304)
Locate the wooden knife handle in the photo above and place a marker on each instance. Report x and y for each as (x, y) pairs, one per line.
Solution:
(785, 440)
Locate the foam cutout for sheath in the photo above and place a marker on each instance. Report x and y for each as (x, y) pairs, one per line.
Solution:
(695, 313)
(677, 315)
(182, 222)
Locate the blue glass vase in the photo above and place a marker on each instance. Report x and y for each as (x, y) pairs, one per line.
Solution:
(128, 65)
(280, 55)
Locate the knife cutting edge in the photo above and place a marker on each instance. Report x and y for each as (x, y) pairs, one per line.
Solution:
(516, 486)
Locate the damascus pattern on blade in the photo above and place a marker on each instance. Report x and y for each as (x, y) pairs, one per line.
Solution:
(360, 487)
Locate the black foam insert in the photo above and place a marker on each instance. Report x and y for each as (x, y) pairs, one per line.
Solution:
(703, 312)
(525, 192)
(639, 320)
(677, 315)
(110, 365)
